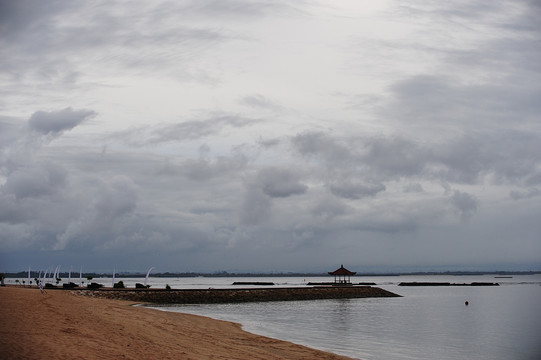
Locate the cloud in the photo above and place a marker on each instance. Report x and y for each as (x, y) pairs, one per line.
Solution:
(464, 159)
(431, 100)
(465, 204)
(186, 130)
(413, 188)
(527, 194)
(350, 190)
(106, 211)
(227, 137)
(55, 122)
(204, 169)
(320, 145)
(259, 101)
(255, 207)
(329, 207)
(38, 180)
(279, 183)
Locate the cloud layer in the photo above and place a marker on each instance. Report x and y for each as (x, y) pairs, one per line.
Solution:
(270, 136)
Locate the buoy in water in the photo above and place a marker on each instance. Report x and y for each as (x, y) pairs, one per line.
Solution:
(466, 303)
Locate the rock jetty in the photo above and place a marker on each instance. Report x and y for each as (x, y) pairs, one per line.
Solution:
(446, 284)
(213, 296)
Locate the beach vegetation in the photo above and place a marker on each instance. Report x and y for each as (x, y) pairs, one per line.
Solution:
(167, 287)
(119, 285)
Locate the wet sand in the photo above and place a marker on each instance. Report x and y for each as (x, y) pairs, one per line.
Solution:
(62, 325)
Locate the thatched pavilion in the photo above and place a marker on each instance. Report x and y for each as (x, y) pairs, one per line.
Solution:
(342, 275)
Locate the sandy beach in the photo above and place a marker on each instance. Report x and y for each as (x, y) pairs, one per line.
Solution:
(61, 325)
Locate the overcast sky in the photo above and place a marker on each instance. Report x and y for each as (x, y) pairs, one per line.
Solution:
(270, 135)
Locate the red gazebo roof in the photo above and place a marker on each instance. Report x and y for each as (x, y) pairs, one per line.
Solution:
(342, 271)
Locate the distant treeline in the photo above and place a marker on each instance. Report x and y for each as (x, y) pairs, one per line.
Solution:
(74, 274)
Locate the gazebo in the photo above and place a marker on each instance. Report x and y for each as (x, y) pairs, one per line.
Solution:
(341, 274)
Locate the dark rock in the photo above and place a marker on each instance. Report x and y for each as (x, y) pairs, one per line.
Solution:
(94, 286)
(69, 286)
(253, 283)
(424, 284)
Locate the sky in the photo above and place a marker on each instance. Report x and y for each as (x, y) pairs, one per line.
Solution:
(270, 136)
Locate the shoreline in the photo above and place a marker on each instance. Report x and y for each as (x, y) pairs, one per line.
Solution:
(61, 324)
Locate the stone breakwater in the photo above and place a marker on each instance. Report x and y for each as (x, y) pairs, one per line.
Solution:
(446, 284)
(214, 296)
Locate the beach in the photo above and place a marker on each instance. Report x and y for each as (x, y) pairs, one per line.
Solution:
(60, 325)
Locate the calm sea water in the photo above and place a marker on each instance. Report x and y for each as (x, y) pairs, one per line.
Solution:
(500, 323)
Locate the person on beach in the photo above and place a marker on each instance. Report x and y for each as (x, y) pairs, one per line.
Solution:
(41, 288)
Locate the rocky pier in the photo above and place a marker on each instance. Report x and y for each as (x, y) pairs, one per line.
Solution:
(215, 296)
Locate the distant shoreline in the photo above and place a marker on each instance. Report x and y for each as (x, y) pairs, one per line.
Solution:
(24, 274)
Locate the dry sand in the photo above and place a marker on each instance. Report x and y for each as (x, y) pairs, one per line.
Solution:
(61, 325)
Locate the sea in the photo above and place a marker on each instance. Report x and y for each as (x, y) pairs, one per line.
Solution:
(499, 323)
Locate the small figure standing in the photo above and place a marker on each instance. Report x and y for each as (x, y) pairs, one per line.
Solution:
(41, 288)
